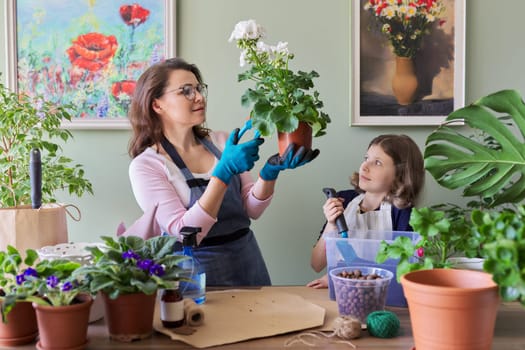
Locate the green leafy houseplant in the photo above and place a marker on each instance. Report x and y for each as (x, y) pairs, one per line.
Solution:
(281, 97)
(445, 231)
(504, 251)
(48, 282)
(27, 123)
(131, 264)
(491, 167)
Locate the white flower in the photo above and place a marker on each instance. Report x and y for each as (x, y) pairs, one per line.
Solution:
(263, 48)
(242, 59)
(247, 30)
(282, 48)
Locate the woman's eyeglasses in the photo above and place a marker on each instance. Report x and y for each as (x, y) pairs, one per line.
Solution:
(189, 91)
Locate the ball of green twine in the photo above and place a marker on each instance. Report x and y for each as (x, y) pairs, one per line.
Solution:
(382, 324)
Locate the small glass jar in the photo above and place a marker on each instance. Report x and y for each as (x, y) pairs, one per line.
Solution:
(172, 307)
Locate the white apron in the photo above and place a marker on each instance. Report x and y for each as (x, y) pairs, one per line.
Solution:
(375, 220)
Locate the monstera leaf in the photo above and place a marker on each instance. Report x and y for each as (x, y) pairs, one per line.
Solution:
(491, 166)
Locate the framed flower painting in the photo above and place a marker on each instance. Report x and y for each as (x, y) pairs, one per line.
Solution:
(407, 61)
(86, 53)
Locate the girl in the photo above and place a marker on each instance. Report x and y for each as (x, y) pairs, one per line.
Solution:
(389, 180)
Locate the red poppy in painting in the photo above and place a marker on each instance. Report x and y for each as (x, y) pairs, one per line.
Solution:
(92, 51)
(133, 15)
(126, 87)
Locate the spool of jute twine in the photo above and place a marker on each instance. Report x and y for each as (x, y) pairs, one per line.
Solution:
(382, 324)
(345, 328)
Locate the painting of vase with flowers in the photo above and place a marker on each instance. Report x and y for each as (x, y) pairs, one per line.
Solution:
(407, 61)
(87, 53)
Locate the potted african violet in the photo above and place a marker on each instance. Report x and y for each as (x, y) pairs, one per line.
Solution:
(18, 324)
(60, 301)
(128, 271)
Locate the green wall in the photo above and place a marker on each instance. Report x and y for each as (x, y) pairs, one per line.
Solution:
(318, 33)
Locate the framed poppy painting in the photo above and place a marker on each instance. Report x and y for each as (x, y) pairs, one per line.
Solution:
(86, 53)
(407, 61)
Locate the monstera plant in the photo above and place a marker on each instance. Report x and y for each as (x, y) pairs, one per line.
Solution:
(486, 159)
(490, 165)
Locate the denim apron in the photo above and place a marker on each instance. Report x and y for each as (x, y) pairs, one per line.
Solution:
(229, 253)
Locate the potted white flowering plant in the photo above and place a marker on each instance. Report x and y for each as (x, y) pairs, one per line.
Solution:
(281, 99)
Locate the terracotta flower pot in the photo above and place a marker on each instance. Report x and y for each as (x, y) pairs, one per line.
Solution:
(63, 327)
(404, 82)
(21, 327)
(451, 309)
(130, 316)
(302, 136)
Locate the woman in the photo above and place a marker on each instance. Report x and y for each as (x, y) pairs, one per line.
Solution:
(199, 178)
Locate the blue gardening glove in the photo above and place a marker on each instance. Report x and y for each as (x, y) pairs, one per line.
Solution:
(289, 160)
(237, 157)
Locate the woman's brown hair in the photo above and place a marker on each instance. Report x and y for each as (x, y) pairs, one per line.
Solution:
(146, 125)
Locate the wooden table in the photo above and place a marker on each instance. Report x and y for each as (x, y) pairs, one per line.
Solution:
(509, 333)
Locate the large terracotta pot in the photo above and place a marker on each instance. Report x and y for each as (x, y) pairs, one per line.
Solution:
(130, 316)
(404, 82)
(302, 136)
(21, 327)
(63, 327)
(451, 309)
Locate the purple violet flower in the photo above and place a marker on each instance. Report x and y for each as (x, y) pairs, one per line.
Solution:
(130, 254)
(156, 270)
(52, 281)
(67, 287)
(27, 272)
(144, 264)
(20, 279)
(30, 272)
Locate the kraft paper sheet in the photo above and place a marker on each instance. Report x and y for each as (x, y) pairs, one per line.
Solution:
(238, 315)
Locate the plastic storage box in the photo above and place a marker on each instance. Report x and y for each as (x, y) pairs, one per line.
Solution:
(360, 249)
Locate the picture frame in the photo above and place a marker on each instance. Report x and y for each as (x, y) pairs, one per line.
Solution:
(89, 57)
(438, 67)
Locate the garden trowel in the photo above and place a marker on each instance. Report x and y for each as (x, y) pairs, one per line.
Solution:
(346, 249)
